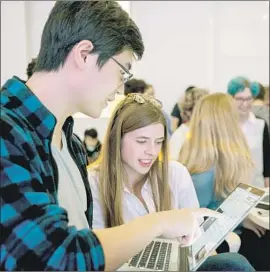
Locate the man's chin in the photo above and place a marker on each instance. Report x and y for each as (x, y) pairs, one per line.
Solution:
(93, 114)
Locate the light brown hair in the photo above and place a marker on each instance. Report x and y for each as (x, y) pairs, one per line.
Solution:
(134, 112)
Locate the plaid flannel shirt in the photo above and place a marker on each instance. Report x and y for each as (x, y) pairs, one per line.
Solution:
(34, 229)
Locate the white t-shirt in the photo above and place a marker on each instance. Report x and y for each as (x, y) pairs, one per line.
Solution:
(183, 192)
(71, 190)
(177, 140)
(253, 131)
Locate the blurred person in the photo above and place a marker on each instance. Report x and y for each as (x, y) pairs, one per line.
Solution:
(254, 129)
(266, 96)
(150, 90)
(187, 104)
(92, 144)
(135, 85)
(258, 107)
(176, 118)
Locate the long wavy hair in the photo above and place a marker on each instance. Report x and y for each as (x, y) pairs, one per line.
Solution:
(215, 139)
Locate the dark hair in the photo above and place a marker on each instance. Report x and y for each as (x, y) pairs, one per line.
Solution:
(189, 88)
(31, 67)
(135, 86)
(91, 133)
(257, 87)
(104, 23)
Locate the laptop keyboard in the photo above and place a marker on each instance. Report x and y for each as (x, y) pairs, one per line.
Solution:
(155, 256)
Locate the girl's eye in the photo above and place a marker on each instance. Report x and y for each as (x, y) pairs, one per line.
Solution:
(141, 141)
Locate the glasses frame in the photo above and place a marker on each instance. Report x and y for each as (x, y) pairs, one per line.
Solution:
(127, 75)
(242, 100)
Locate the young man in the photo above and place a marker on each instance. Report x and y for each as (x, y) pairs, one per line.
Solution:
(85, 56)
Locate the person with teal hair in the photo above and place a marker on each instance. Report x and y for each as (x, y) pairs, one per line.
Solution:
(255, 129)
(239, 84)
(256, 132)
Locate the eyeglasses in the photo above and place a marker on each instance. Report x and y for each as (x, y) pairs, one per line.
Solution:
(242, 100)
(125, 72)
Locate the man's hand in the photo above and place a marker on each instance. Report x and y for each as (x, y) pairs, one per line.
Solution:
(183, 223)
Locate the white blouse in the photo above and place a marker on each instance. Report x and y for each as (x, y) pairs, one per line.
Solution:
(183, 196)
(253, 131)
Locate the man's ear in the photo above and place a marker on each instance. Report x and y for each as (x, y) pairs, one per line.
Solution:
(81, 51)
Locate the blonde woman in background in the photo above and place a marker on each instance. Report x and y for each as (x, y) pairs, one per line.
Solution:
(217, 156)
(130, 180)
(186, 106)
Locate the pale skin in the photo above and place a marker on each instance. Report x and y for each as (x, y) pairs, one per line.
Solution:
(80, 86)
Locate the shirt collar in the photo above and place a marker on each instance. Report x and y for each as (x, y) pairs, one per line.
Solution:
(252, 118)
(18, 97)
(145, 187)
(21, 99)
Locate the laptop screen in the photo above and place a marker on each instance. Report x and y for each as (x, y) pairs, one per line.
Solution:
(214, 230)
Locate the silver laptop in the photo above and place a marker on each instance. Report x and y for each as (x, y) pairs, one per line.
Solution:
(167, 255)
(159, 255)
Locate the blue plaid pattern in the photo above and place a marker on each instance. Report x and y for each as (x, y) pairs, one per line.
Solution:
(34, 230)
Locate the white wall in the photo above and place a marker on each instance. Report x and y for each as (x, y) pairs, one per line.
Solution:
(187, 42)
(203, 43)
(36, 13)
(13, 40)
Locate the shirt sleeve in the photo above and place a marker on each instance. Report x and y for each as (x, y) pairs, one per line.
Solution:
(98, 215)
(266, 152)
(34, 230)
